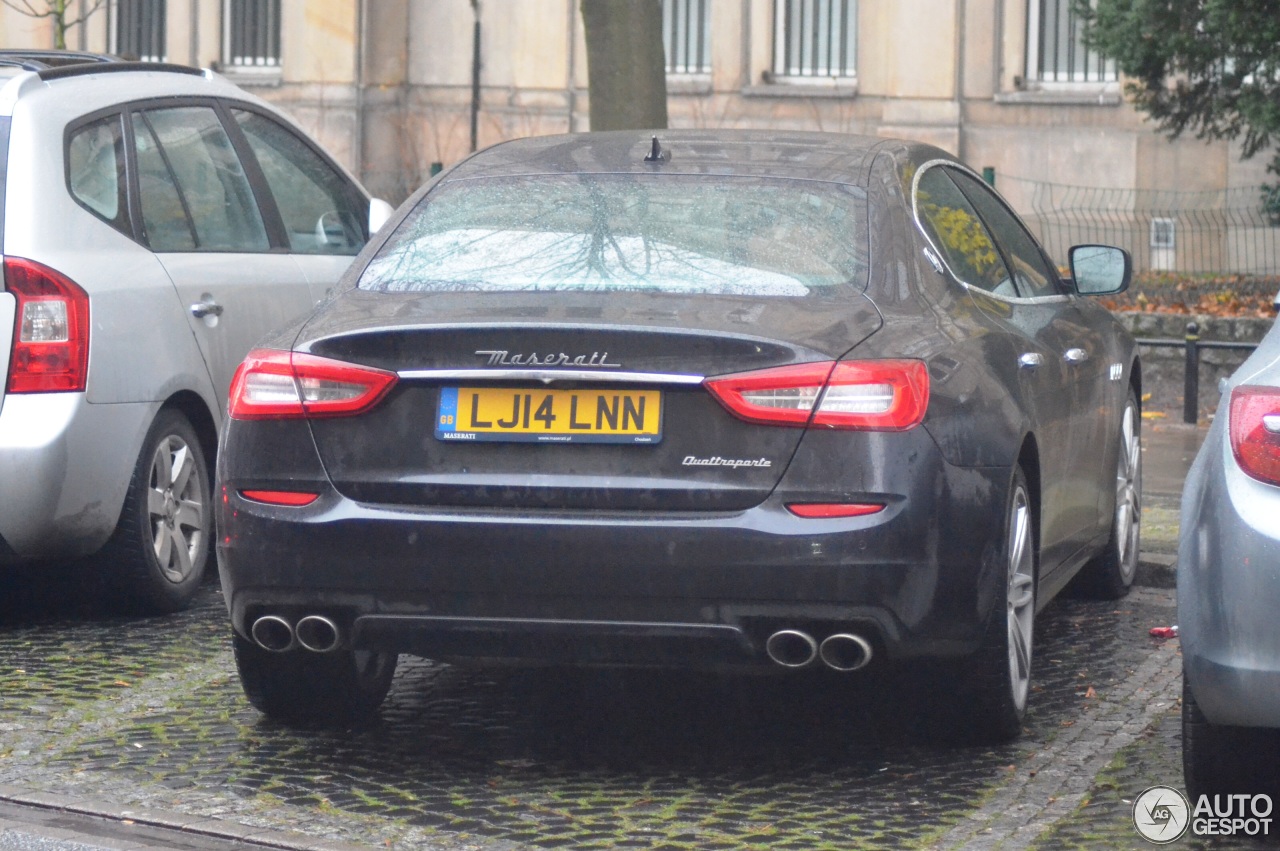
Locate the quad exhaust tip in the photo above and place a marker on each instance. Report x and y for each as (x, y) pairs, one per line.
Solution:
(272, 632)
(791, 648)
(843, 651)
(316, 633)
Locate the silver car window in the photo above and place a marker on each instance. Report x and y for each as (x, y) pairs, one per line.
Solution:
(209, 179)
(95, 169)
(320, 212)
(165, 220)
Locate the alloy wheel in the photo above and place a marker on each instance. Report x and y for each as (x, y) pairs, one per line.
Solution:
(176, 508)
(1128, 493)
(1020, 597)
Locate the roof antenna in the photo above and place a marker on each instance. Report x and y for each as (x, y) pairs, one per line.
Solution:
(656, 154)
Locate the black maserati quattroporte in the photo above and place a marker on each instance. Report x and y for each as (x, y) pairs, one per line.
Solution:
(715, 399)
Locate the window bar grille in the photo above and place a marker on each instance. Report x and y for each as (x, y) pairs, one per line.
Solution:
(816, 38)
(255, 32)
(1061, 52)
(140, 30)
(685, 34)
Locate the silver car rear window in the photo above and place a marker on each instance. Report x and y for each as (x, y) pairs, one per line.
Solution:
(694, 234)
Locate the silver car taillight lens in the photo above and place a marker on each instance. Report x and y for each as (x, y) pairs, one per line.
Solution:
(1254, 428)
(51, 331)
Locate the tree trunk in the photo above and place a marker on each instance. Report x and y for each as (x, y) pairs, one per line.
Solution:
(626, 67)
(59, 9)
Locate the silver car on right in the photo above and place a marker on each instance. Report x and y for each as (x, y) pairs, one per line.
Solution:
(1229, 589)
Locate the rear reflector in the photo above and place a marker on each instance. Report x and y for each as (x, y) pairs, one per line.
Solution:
(272, 384)
(290, 498)
(871, 395)
(1255, 431)
(834, 509)
(51, 331)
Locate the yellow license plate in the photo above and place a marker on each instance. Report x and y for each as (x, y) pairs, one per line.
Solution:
(549, 416)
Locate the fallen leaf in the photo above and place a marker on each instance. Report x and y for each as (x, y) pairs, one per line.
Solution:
(1090, 693)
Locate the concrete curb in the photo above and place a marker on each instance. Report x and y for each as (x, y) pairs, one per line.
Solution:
(201, 826)
(1053, 782)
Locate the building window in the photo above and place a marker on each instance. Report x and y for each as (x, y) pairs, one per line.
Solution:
(1056, 52)
(815, 38)
(139, 30)
(253, 33)
(686, 34)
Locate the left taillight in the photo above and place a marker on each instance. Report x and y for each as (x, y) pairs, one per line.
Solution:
(1255, 431)
(271, 384)
(868, 395)
(51, 330)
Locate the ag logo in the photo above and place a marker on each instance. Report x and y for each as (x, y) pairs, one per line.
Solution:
(1161, 814)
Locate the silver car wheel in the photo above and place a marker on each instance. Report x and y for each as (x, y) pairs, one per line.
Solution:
(1020, 597)
(176, 509)
(1128, 493)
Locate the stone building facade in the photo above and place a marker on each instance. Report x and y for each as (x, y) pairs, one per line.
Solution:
(1007, 85)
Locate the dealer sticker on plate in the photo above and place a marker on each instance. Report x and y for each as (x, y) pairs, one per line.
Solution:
(516, 414)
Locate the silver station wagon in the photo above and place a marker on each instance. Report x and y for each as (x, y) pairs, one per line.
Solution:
(156, 222)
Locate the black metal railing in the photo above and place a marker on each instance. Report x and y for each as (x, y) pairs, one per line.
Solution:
(1219, 232)
(1193, 346)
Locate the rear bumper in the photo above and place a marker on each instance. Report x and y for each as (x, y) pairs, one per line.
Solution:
(1229, 589)
(65, 465)
(618, 588)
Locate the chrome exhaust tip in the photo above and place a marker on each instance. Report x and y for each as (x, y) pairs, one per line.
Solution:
(791, 648)
(845, 651)
(317, 634)
(272, 632)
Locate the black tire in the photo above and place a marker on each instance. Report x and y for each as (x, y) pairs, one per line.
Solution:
(1109, 575)
(1221, 760)
(297, 686)
(994, 690)
(159, 552)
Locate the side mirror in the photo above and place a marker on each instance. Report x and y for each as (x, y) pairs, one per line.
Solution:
(1100, 269)
(379, 212)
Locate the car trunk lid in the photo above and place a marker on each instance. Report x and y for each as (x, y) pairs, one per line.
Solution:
(505, 401)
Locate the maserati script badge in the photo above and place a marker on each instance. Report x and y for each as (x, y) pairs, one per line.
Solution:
(598, 360)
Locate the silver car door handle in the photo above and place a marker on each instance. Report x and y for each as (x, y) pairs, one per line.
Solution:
(1030, 360)
(1075, 356)
(201, 309)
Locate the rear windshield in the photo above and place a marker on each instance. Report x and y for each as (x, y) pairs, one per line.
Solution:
(620, 232)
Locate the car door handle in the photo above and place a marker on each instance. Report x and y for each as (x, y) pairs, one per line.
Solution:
(1075, 356)
(1030, 360)
(201, 309)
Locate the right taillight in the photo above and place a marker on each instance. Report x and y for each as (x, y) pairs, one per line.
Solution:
(1255, 431)
(870, 395)
(273, 384)
(51, 330)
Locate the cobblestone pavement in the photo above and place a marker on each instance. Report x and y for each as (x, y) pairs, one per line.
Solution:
(148, 714)
(144, 719)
